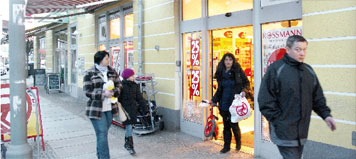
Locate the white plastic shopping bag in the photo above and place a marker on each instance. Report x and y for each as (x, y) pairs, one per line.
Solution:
(240, 109)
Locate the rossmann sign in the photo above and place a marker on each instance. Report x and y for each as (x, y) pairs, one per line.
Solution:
(281, 33)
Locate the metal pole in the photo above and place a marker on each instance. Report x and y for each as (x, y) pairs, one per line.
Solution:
(257, 72)
(139, 44)
(19, 148)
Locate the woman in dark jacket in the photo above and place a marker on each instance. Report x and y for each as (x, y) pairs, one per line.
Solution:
(100, 109)
(129, 98)
(231, 80)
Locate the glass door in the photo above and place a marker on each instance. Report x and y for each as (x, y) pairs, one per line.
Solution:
(238, 41)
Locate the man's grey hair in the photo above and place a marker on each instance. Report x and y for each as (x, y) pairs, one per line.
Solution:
(295, 38)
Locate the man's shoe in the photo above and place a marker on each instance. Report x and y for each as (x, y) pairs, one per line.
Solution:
(224, 150)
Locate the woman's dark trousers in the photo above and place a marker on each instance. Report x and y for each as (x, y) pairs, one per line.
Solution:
(227, 130)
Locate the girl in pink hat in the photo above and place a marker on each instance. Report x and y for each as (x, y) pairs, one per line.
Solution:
(130, 98)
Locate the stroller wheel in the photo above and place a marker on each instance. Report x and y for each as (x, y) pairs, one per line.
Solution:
(161, 125)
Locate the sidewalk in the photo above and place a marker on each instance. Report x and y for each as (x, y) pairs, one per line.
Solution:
(69, 134)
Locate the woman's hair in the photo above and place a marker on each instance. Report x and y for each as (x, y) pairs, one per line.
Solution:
(221, 66)
(99, 56)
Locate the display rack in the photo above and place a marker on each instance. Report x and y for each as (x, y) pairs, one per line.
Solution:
(147, 87)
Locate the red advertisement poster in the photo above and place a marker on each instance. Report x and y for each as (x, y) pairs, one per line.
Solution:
(195, 52)
(274, 43)
(195, 87)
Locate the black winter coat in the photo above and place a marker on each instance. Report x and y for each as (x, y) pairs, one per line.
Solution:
(241, 83)
(130, 96)
(289, 91)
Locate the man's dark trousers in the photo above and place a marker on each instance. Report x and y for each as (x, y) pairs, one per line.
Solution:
(291, 152)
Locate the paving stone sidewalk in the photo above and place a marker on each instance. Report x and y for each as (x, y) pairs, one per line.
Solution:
(69, 134)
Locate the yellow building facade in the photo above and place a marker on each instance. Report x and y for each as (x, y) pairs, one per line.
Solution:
(330, 29)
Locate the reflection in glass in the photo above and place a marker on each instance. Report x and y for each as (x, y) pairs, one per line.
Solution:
(191, 9)
(115, 28)
(129, 24)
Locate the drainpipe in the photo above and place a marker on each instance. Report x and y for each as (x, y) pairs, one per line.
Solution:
(257, 72)
(139, 43)
(18, 148)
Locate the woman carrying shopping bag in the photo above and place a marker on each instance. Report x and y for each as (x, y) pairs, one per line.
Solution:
(131, 97)
(231, 80)
(100, 107)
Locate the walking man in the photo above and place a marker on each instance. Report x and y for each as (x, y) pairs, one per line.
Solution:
(289, 91)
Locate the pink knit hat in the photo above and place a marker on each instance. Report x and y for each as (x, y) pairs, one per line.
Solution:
(127, 73)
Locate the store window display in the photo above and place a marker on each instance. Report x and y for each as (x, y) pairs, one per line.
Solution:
(192, 81)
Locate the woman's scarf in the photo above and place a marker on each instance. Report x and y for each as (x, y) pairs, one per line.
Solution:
(101, 68)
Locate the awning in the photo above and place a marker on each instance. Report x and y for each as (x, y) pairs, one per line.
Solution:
(46, 6)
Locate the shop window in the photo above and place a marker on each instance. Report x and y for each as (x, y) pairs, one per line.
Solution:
(115, 28)
(274, 37)
(239, 42)
(102, 29)
(102, 47)
(216, 7)
(192, 80)
(42, 51)
(74, 32)
(129, 54)
(115, 58)
(191, 9)
(129, 24)
(73, 78)
(42, 43)
(274, 2)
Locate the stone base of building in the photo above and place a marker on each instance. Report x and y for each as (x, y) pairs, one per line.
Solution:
(314, 149)
(171, 118)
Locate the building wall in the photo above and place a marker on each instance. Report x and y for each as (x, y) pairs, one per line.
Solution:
(86, 43)
(160, 28)
(330, 29)
(49, 51)
(36, 55)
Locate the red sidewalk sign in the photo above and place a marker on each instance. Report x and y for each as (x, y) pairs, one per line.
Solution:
(31, 114)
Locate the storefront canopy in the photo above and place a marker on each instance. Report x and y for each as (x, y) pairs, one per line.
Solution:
(46, 6)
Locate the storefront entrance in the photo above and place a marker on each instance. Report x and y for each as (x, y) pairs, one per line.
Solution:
(237, 41)
(254, 31)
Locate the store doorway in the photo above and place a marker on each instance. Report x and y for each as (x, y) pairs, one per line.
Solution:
(239, 42)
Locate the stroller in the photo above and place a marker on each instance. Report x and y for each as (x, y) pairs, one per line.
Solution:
(148, 123)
